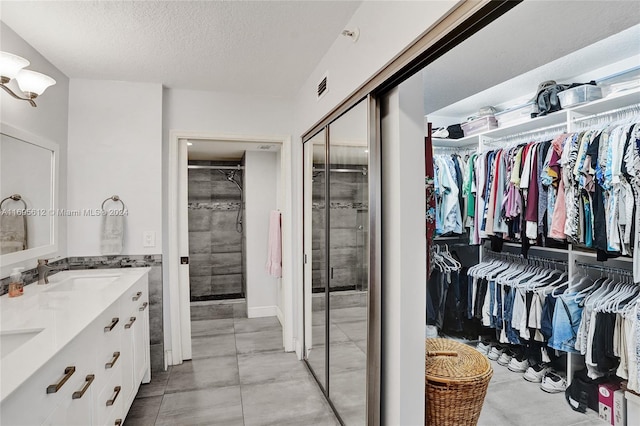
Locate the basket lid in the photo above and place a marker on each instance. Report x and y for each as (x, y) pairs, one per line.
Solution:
(447, 359)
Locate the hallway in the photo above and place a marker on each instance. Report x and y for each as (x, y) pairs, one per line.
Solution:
(239, 375)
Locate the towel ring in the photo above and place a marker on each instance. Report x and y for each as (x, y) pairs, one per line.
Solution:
(114, 198)
(18, 197)
(14, 197)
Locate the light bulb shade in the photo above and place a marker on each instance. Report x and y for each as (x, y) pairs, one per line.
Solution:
(11, 64)
(31, 82)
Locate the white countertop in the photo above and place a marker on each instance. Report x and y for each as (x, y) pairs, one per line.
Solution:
(62, 316)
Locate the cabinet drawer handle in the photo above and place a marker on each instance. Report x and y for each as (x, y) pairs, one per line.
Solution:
(137, 296)
(130, 323)
(118, 422)
(144, 306)
(108, 328)
(78, 394)
(117, 392)
(108, 365)
(68, 372)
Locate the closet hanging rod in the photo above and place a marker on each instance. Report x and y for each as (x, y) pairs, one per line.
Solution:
(629, 109)
(611, 269)
(238, 167)
(506, 255)
(547, 132)
(362, 170)
(454, 148)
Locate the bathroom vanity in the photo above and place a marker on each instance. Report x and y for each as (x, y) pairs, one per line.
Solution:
(75, 351)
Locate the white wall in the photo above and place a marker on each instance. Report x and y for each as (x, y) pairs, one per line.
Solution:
(403, 262)
(386, 28)
(115, 148)
(261, 197)
(48, 120)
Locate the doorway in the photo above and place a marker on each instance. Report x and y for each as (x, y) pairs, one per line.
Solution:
(219, 206)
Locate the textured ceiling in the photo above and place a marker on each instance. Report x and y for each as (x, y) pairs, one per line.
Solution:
(256, 47)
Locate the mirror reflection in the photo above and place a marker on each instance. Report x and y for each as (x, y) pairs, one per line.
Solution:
(315, 247)
(348, 261)
(336, 220)
(26, 191)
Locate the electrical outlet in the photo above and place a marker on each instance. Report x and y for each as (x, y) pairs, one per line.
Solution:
(148, 239)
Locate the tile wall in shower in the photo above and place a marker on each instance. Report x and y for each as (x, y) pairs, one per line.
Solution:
(348, 220)
(215, 245)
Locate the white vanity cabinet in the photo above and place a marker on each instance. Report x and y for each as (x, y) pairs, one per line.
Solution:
(93, 378)
(47, 398)
(135, 341)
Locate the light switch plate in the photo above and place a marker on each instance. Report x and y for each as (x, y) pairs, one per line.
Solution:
(148, 239)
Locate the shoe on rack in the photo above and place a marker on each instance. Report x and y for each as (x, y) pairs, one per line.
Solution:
(553, 383)
(518, 364)
(484, 347)
(495, 352)
(535, 373)
(505, 358)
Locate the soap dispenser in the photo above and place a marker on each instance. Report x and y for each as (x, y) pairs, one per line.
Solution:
(16, 284)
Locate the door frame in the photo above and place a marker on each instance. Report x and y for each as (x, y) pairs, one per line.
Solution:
(178, 311)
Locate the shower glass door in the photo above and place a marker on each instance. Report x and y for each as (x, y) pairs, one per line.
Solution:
(348, 263)
(315, 268)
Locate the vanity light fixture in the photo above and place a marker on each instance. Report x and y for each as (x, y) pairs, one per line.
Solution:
(31, 83)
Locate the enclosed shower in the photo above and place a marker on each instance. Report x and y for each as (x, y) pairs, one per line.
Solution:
(216, 230)
(349, 226)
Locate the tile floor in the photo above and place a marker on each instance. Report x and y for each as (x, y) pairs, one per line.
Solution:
(511, 400)
(239, 375)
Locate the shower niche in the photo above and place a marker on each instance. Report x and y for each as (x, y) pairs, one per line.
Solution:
(216, 230)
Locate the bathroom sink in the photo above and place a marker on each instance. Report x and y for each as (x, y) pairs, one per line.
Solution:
(90, 283)
(12, 340)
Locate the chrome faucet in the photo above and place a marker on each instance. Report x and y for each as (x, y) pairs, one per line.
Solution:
(44, 269)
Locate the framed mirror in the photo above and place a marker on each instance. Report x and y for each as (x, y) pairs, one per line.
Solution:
(28, 192)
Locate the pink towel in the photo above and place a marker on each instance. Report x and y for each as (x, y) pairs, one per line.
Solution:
(274, 255)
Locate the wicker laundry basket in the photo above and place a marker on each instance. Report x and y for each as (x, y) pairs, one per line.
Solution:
(456, 381)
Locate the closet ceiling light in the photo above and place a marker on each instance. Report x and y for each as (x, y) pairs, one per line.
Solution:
(31, 83)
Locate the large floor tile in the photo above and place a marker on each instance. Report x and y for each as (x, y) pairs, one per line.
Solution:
(220, 406)
(345, 357)
(356, 330)
(340, 315)
(260, 341)
(240, 310)
(348, 390)
(157, 385)
(251, 325)
(211, 327)
(212, 311)
(264, 367)
(524, 404)
(205, 347)
(336, 335)
(144, 411)
(204, 373)
(285, 402)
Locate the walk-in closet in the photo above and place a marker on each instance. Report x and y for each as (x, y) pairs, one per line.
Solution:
(532, 168)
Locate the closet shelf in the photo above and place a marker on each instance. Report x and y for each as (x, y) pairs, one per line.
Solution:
(557, 118)
(467, 142)
(612, 102)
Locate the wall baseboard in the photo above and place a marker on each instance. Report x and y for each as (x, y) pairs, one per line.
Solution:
(262, 311)
(280, 315)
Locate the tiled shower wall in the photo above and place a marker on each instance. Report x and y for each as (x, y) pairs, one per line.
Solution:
(215, 245)
(349, 226)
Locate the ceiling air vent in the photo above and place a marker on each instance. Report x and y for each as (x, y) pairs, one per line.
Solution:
(265, 147)
(322, 87)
